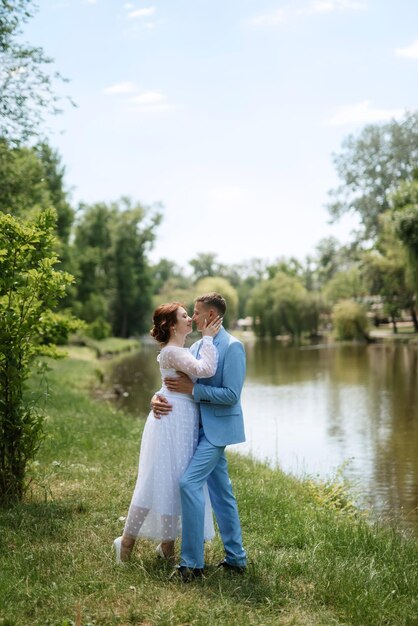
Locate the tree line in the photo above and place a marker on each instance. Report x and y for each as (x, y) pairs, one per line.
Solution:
(106, 246)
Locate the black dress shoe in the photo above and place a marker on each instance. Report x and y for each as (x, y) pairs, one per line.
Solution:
(238, 569)
(186, 574)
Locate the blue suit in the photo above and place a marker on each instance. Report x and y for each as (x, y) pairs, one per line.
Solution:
(221, 424)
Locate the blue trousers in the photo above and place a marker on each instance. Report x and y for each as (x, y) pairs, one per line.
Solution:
(209, 464)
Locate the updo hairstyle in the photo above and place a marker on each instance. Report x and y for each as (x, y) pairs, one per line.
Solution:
(164, 318)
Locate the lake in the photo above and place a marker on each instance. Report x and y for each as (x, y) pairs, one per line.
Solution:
(315, 410)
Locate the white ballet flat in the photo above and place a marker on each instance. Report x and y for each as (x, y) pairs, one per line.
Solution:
(159, 550)
(117, 544)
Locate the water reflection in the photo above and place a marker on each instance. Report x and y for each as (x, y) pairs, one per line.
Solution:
(310, 410)
(138, 377)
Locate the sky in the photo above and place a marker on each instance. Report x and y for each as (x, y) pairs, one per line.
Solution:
(225, 113)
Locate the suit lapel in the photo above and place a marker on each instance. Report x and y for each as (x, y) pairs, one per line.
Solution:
(219, 337)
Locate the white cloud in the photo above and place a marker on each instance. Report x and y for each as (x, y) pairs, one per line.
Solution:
(149, 101)
(328, 6)
(410, 52)
(140, 13)
(126, 87)
(362, 113)
(314, 7)
(90, 1)
(268, 19)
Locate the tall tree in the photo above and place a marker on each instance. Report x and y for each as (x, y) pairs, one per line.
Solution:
(22, 183)
(93, 252)
(289, 266)
(344, 285)
(405, 219)
(331, 257)
(385, 272)
(405, 206)
(370, 168)
(166, 270)
(27, 79)
(134, 235)
(32, 178)
(205, 264)
(114, 279)
(53, 177)
(244, 277)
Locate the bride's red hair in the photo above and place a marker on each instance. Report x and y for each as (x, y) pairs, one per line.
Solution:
(164, 318)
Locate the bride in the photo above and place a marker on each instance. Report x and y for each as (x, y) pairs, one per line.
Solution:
(168, 443)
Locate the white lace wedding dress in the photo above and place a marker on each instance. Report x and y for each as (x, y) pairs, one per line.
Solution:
(167, 446)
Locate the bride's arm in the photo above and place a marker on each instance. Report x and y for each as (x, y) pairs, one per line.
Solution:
(183, 361)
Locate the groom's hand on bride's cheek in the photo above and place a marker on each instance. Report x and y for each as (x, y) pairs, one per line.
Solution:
(181, 383)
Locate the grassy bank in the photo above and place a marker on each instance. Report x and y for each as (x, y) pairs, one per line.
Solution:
(105, 347)
(313, 561)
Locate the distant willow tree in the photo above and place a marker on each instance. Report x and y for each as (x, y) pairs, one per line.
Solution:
(113, 276)
(283, 306)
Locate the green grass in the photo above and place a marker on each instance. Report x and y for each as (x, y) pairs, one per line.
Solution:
(106, 347)
(312, 559)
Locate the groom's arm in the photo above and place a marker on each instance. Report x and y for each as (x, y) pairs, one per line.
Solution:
(181, 383)
(232, 380)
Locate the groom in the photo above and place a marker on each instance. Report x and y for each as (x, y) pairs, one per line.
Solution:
(221, 423)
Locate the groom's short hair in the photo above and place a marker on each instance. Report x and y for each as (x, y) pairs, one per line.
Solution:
(214, 300)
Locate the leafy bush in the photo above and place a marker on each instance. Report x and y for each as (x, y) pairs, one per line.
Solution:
(29, 289)
(349, 320)
(99, 329)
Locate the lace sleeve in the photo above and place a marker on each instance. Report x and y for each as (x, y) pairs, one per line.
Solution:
(182, 359)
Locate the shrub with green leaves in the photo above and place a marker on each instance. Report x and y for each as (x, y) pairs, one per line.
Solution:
(30, 287)
(349, 320)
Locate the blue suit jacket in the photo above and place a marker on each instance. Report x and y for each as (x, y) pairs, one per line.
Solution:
(219, 397)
